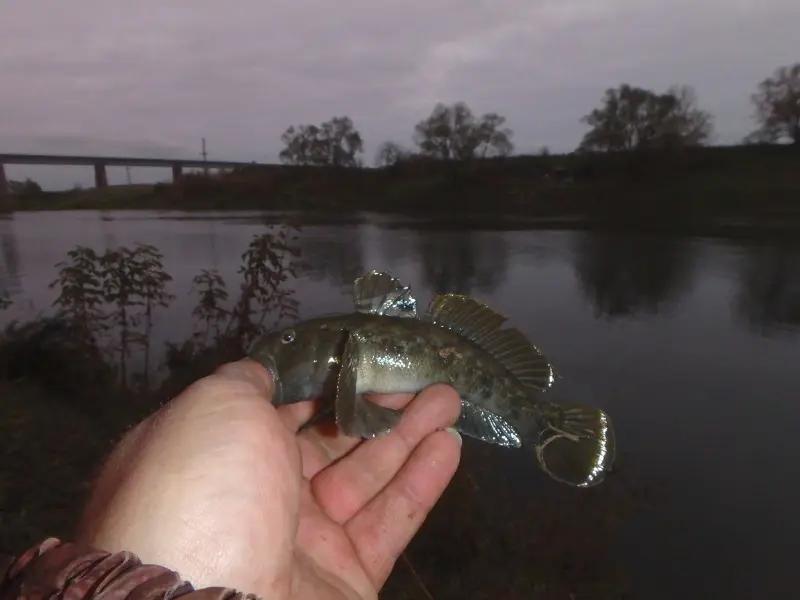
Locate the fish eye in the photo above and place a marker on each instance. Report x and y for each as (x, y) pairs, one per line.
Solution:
(287, 337)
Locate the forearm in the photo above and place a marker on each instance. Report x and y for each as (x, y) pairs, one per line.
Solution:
(56, 569)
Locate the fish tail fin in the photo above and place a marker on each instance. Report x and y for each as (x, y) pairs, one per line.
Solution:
(575, 443)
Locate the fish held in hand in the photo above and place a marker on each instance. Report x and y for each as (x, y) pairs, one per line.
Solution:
(384, 346)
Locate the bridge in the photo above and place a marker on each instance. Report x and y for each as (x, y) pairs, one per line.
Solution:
(101, 162)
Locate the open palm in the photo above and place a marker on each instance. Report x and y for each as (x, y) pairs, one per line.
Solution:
(222, 487)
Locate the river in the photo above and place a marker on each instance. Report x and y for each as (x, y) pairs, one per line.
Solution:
(690, 344)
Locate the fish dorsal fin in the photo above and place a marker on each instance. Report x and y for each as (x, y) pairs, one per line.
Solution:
(481, 325)
(379, 293)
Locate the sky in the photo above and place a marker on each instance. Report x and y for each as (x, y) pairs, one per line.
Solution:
(152, 78)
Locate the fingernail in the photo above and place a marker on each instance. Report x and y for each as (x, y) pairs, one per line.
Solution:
(455, 434)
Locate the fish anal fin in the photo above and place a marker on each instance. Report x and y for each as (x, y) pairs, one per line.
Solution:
(484, 425)
(356, 416)
(481, 325)
(381, 294)
(576, 444)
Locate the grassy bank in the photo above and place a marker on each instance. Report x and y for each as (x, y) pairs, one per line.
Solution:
(752, 182)
(74, 382)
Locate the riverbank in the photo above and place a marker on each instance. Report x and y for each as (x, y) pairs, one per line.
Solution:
(706, 187)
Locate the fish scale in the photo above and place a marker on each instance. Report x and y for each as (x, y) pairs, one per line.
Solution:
(384, 346)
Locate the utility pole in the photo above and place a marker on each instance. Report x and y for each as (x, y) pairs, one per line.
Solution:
(205, 157)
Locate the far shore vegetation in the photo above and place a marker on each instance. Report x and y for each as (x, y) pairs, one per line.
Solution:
(646, 158)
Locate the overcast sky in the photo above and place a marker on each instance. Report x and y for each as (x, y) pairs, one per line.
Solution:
(153, 77)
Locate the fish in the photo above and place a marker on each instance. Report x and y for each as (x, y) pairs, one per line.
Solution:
(385, 346)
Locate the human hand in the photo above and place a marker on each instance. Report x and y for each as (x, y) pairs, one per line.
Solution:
(221, 487)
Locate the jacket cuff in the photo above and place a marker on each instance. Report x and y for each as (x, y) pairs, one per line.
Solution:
(56, 569)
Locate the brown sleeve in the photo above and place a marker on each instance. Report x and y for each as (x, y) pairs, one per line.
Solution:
(56, 569)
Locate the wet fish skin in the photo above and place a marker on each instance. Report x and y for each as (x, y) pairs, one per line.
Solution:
(383, 348)
(398, 355)
(304, 367)
(408, 355)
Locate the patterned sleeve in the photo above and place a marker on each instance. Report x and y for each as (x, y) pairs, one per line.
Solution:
(56, 569)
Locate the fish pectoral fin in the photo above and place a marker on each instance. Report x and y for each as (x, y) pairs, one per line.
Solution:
(379, 293)
(576, 444)
(355, 416)
(484, 425)
(317, 417)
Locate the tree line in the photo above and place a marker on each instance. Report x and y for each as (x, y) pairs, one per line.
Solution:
(628, 118)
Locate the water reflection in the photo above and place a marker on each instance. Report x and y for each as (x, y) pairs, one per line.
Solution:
(769, 287)
(462, 261)
(335, 256)
(9, 267)
(626, 275)
(497, 524)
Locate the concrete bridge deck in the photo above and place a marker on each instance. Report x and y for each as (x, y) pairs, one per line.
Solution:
(101, 162)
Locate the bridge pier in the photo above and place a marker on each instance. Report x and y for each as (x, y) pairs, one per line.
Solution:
(177, 172)
(3, 181)
(100, 176)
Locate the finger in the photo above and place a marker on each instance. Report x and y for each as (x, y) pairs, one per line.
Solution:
(245, 371)
(383, 529)
(295, 415)
(321, 446)
(345, 487)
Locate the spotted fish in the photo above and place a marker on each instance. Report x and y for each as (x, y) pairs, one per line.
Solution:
(385, 346)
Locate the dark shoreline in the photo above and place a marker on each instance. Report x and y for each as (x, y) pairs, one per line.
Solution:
(723, 228)
(749, 191)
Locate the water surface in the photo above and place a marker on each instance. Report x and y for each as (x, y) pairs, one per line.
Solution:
(690, 344)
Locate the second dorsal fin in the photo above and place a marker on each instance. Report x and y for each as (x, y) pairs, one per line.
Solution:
(481, 325)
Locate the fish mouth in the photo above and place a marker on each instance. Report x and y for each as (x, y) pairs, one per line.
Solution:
(267, 361)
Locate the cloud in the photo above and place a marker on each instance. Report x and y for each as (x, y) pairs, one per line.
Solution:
(239, 73)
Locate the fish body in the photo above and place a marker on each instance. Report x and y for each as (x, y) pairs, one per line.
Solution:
(385, 347)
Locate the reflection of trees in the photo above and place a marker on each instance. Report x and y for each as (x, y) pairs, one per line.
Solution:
(9, 267)
(769, 292)
(622, 275)
(335, 255)
(460, 261)
(398, 245)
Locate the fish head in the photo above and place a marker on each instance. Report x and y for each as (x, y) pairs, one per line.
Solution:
(302, 359)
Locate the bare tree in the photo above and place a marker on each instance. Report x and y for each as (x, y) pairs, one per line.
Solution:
(778, 106)
(454, 133)
(632, 117)
(390, 153)
(335, 143)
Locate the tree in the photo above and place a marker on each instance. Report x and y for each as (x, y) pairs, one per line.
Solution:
(778, 106)
(334, 143)
(390, 153)
(24, 188)
(631, 275)
(454, 133)
(631, 118)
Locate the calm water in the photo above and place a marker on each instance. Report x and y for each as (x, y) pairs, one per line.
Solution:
(692, 346)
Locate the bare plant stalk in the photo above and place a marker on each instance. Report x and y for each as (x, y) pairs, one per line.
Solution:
(416, 576)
